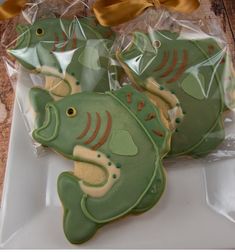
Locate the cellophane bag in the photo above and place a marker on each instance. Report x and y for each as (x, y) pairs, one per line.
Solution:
(59, 46)
(191, 59)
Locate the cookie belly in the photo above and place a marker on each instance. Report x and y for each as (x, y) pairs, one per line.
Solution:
(136, 177)
(90, 173)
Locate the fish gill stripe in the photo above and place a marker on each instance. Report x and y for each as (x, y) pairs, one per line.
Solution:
(74, 41)
(106, 134)
(181, 69)
(96, 131)
(172, 66)
(87, 128)
(65, 41)
(163, 63)
(56, 41)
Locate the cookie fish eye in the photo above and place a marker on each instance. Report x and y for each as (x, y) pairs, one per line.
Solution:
(39, 32)
(71, 112)
(157, 43)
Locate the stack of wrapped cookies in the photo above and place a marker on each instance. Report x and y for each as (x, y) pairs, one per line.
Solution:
(118, 104)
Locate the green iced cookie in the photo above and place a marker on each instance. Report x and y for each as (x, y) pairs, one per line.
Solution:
(195, 71)
(76, 52)
(117, 140)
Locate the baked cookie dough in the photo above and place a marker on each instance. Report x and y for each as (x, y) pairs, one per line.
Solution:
(117, 141)
(74, 55)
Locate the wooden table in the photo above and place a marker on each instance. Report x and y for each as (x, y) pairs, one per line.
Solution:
(221, 11)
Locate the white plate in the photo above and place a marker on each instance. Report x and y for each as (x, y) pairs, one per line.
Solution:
(32, 215)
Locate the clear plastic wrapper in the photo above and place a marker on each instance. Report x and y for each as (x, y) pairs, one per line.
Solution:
(182, 95)
(67, 51)
(62, 49)
(193, 63)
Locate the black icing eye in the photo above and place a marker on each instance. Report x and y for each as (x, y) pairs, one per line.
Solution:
(71, 112)
(39, 32)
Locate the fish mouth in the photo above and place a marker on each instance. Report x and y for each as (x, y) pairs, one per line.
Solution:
(23, 36)
(23, 39)
(50, 128)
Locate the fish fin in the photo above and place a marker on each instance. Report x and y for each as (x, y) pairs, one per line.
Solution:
(57, 87)
(77, 227)
(38, 99)
(154, 193)
(101, 160)
(194, 86)
(210, 142)
(90, 58)
(122, 143)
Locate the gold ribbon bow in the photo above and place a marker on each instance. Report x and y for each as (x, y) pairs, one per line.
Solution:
(115, 12)
(11, 8)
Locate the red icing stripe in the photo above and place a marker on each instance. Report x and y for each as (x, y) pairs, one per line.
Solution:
(141, 105)
(56, 41)
(129, 98)
(158, 133)
(164, 62)
(181, 68)
(97, 128)
(65, 42)
(172, 67)
(74, 41)
(88, 126)
(106, 133)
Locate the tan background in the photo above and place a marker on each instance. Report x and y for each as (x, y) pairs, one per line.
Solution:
(221, 10)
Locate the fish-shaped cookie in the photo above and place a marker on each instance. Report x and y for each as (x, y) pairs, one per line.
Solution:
(75, 55)
(197, 70)
(117, 141)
